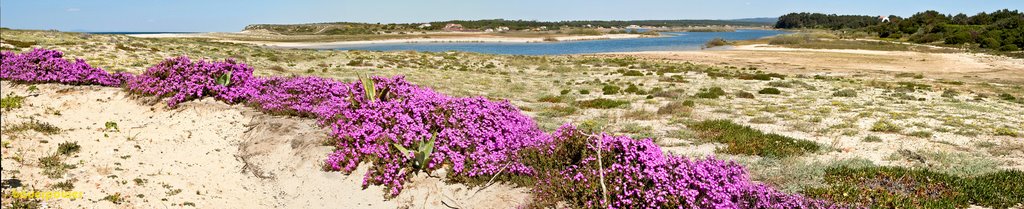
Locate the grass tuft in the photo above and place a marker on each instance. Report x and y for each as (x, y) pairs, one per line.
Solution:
(743, 140)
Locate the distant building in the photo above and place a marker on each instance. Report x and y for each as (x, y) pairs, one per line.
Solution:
(633, 27)
(502, 28)
(489, 30)
(453, 27)
(883, 18)
(424, 25)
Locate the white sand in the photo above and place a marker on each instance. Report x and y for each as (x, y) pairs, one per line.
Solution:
(219, 156)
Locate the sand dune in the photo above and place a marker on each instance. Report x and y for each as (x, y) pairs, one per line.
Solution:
(204, 153)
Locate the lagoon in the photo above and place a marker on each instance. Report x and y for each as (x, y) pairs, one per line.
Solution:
(669, 41)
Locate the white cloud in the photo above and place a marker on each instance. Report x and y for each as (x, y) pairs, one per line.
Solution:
(73, 9)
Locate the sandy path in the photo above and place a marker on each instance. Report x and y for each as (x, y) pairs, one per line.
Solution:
(813, 61)
(205, 153)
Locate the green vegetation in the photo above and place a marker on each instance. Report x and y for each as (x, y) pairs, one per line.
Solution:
(601, 103)
(34, 125)
(845, 93)
(11, 101)
(711, 93)
(769, 90)
(872, 139)
(68, 148)
(897, 187)
(1000, 30)
(885, 126)
(743, 140)
(715, 42)
(610, 89)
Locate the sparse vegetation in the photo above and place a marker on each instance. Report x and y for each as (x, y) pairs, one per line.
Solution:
(601, 103)
(769, 90)
(11, 101)
(743, 140)
(845, 93)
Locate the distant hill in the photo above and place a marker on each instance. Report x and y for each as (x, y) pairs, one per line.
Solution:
(767, 20)
(351, 28)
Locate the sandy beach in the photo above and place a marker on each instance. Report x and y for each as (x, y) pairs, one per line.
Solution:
(852, 61)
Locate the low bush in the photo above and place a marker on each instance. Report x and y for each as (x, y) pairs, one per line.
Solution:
(898, 187)
(769, 90)
(68, 148)
(743, 94)
(715, 42)
(610, 89)
(743, 140)
(872, 139)
(601, 103)
(551, 99)
(11, 101)
(885, 126)
(711, 93)
(845, 93)
(34, 125)
(558, 111)
(676, 108)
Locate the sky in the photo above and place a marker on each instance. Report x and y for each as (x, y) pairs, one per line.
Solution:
(234, 15)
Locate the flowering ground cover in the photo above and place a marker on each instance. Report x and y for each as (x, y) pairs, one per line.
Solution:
(373, 120)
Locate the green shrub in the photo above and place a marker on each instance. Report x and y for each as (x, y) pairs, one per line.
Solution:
(633, 89)
(68, 148)
(769, 90)
(898, 187)
(1006, 131)
(601, 103)
(711, 93)
(950, 93)
(872, 139)
(632, 73)
(885, 126)
(845, 93)
(743, 140)
(551, 99)
(676, 108)
(11, 101)
(1007, 97)
(584, 91)
(922, 134)
(565, 91)
(743, 94)
(610, 89)
(716, 42)
(34, 125)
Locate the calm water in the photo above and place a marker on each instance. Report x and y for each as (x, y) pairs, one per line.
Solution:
(672, 41)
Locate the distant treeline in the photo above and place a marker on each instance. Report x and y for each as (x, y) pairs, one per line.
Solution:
(1002, 29)
(350, 28)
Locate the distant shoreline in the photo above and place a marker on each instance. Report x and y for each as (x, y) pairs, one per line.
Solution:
(469, 38)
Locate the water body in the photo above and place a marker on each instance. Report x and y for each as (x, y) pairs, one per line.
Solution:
(670, 41)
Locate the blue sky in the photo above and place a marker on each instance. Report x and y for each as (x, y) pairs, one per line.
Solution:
(233, 15)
